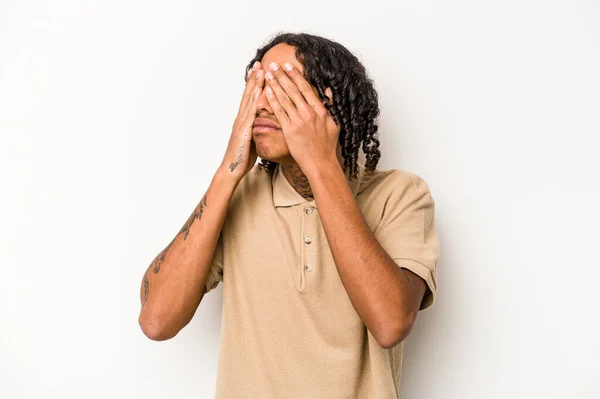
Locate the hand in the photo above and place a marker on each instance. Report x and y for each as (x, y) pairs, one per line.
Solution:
(309, 130)
(240, 155)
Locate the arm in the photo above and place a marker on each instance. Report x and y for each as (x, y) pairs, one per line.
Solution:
(385, 296)
(173, 284)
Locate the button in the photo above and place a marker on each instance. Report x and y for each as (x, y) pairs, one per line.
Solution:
(308, 268)
(307, 239)
(309, 210)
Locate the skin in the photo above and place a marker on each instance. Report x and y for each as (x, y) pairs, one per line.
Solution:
(160, 258)
(272, 146)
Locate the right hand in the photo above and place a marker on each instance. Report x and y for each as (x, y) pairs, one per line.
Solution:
(240, 155)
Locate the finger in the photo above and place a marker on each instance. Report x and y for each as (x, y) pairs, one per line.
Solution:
(282, 97)
(249, 110)
(260, 84)
(258, 88)
(250, 83)
(278, 110)
(287, 85)
(303, 85)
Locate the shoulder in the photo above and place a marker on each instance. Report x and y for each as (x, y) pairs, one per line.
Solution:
(393, 182)
(256, 175)
(253, 185)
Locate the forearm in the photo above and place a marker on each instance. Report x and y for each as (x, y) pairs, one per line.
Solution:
(372, 280)
(173, 284)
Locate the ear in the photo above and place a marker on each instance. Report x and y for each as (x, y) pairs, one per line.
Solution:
(329, 94)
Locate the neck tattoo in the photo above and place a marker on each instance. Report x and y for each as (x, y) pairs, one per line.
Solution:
(299, 181)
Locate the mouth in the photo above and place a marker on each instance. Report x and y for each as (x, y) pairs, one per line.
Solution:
(263, 125)
(264, 129)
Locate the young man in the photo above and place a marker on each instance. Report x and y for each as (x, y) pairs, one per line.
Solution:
(325, 262)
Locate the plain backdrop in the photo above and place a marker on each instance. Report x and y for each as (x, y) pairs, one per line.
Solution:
(114, 116)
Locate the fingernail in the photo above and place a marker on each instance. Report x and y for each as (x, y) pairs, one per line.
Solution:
(287, 66)
(255, 65)
(269, 90)
(258, 73)
(269, 75)
(273, 66)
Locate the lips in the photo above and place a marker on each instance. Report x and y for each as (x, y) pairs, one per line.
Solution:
(265, 123)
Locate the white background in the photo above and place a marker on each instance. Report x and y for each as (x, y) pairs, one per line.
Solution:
(114, 116)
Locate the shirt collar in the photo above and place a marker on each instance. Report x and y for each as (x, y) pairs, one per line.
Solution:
(285, 195)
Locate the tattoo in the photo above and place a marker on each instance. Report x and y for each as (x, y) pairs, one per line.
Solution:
(239, 160)
(299, 181)
(197, 214)
(146, 288)
(155, 265)
(161, 257)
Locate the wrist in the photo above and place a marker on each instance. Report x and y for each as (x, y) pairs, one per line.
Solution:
(225, 176)
(324, 168)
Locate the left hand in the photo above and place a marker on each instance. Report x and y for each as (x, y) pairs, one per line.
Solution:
(309, 130)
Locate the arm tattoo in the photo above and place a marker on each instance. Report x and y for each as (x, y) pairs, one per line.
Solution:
(156, 263)
(239, 160)
(146, 288)
(161, 257)
(197, 214)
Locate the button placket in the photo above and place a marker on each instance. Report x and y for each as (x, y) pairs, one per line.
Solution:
(308, 250)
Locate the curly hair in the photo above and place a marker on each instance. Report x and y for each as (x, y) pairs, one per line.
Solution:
(355, 106)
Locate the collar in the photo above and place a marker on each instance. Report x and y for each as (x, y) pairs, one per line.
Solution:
(285, 195)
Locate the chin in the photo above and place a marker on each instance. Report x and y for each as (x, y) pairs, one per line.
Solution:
(267, 153)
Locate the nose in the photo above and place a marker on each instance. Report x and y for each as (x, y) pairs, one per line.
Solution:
(263, 103)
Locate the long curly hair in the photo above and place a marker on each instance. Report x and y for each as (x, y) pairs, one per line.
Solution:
(355, 106)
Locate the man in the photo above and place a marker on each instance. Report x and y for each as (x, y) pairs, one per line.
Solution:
(325, 262)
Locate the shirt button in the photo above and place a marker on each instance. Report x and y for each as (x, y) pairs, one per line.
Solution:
(309, 210)
(307, 239)
(308, 268)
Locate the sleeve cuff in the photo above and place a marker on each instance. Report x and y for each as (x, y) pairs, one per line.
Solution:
(423, 272)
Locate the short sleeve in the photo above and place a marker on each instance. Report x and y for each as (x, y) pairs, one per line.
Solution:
(215, 273)
(407, 229)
